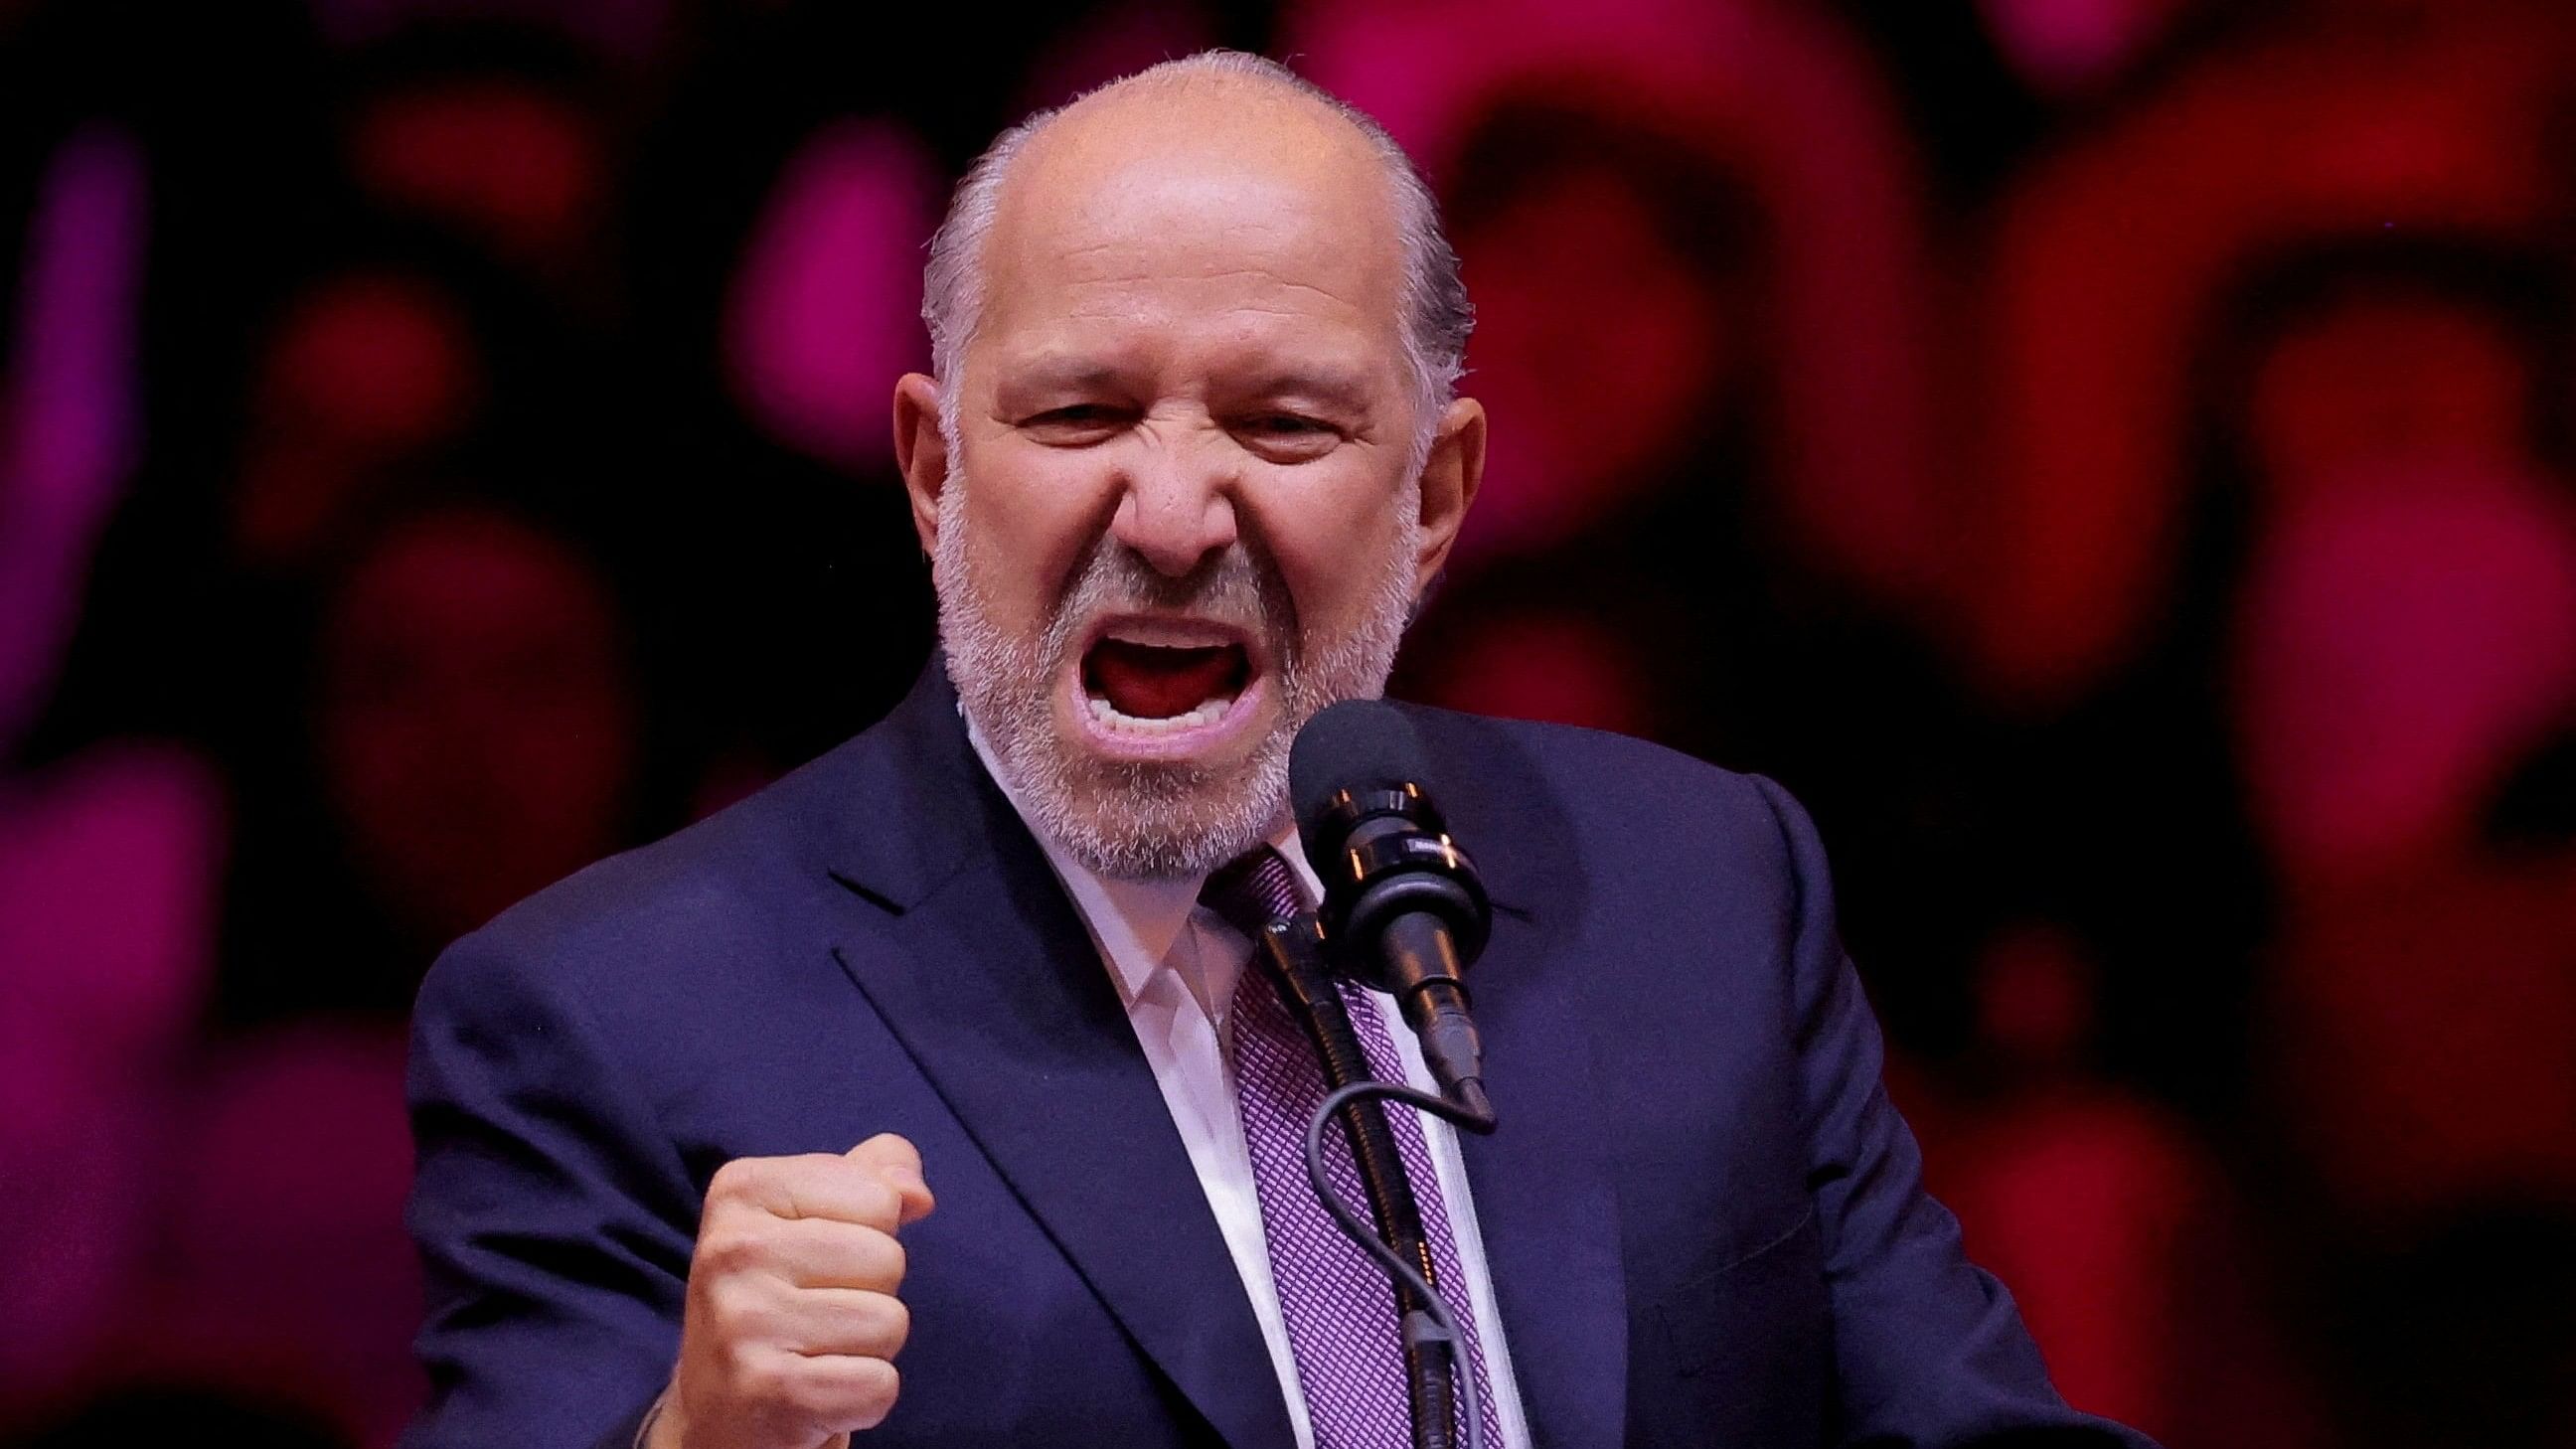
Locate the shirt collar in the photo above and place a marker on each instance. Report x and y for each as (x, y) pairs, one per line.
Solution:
(1135, 923)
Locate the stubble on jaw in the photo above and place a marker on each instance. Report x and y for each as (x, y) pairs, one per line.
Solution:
(1140, 819)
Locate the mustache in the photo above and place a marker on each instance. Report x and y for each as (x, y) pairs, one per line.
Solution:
(1234, 587)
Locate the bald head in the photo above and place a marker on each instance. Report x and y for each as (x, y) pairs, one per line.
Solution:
(1189, 142)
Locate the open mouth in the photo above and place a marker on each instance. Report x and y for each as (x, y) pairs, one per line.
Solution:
(1157, 687)
(1130, 684)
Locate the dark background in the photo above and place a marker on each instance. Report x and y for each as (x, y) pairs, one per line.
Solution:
(2109, 457)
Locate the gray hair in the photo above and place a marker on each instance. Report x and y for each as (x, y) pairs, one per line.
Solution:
(1437, 317)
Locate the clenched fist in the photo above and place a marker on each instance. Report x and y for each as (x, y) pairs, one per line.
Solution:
(792, 1323)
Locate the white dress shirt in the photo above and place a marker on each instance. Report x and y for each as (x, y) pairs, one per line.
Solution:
(1175, 964)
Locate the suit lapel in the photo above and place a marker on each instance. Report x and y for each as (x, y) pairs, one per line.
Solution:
(1546, 1205)
(1003, 1001)
(1544, 1201)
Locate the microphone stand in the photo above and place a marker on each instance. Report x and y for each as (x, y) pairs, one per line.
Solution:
(1292, 954)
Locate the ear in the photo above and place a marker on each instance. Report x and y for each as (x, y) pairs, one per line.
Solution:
(1450, 475)
(921, 451)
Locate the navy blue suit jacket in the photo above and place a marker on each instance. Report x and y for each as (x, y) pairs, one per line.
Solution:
(1703, 1219)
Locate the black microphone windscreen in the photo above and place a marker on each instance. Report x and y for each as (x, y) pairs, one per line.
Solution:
(1357, 744)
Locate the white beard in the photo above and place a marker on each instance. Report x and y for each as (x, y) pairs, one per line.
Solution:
(1133, 820)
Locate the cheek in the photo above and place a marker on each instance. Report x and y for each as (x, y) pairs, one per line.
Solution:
(1031, 517)
(1331, 536)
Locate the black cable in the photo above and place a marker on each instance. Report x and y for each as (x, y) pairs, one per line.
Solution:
(1291, 958)
(1344, 1216)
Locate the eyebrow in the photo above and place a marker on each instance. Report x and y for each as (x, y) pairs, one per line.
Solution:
(1327, 384)
(1334, 386)
(1070, 373)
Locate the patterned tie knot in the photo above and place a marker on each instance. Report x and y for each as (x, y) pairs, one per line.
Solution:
(1253, 891)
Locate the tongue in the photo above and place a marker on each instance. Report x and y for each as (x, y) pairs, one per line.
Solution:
(1144, 682)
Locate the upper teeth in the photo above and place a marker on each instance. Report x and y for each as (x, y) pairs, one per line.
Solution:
(1208, 712)
(1169, 633)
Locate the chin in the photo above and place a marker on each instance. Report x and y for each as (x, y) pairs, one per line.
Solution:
(1152, 819)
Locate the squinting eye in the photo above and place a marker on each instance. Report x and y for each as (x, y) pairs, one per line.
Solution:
(1077, 424)
(1079, 415)
(1287, 437)
(1286, 428)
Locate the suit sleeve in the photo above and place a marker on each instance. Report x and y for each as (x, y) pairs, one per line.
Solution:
(1928, 1348)
(554, 1222)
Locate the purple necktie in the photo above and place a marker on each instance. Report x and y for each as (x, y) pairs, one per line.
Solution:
(1339, 1306)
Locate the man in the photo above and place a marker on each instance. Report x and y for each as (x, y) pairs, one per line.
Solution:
(1189, 457)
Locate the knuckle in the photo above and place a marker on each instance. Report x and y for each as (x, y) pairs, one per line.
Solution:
(729, 1252)
(862, 1256)
(800, 1174)
(735, 1179)
(808, 1390)
(894, 1326)
(875, 1201)
(736, 1316)
(755, 1376)
(879, 1384)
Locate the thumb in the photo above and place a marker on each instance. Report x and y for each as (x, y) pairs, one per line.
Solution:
(897, 1163)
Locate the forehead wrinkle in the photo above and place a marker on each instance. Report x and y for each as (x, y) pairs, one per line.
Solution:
(1254, 372)
(1145, 276)
(1155, 302)
(1122, 346)
(1195, 228)
(1142, 312)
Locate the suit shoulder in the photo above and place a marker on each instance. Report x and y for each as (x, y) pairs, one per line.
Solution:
(725, 878)
(1602, 797)
(1583, 762)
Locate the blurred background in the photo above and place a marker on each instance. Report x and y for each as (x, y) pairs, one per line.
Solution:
(2111, 458)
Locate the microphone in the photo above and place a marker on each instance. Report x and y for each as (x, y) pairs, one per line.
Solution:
(1403, 906)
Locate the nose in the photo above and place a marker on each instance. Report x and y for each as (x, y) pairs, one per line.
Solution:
(1177, 508)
